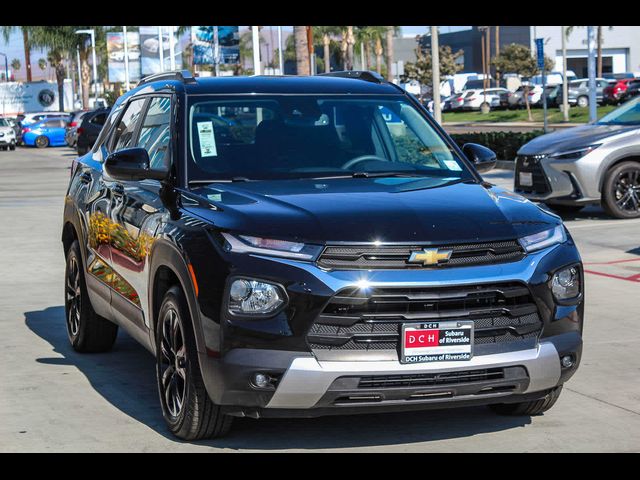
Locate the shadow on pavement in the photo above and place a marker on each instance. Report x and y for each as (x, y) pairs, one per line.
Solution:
(126, 379)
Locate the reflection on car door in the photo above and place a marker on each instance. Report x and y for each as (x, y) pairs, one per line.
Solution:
(136, 210)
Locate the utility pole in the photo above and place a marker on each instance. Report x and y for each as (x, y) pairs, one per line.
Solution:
(497, 54)
(126, 58)
(280, 57)
(255, 40)
(79, 74)
(484, 63)
(435, 65)
(565, 81)
(591, 43)
(161, 48)
(216, 51)
(488, 44)
(172, 49)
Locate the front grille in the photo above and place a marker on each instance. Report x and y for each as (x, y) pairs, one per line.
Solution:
(372, 320)
(396, 256)
(531, 164)
(429, 379)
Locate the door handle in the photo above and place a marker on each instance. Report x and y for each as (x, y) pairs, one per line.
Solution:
(85, 178)
(118, 190)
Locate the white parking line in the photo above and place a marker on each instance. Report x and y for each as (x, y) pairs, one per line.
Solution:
(619, 223)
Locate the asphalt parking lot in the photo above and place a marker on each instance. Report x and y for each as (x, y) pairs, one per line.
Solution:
(54, 399)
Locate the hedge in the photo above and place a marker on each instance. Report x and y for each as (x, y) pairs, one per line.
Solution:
(505, 144)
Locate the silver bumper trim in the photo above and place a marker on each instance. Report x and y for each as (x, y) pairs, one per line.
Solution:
(307, 380)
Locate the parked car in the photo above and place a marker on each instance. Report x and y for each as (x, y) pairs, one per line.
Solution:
(612, 93)
(554, 96)
(590, 164)
(71, 129)
(578, 91)
(516, 99)
(27, 119)
(89, 129)
(320, 261)
(454, 102)
(535, 95)
(45, 133)
(633, 89)
(474, 99)
(17, 128)
(7, 135)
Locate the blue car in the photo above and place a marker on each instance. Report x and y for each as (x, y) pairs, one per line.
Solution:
(45, 133)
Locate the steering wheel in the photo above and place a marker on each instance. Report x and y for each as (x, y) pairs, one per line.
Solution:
(361, 158)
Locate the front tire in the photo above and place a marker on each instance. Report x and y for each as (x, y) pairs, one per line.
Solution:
(621, 191)
(88, 332)
(532, 408)
(41, 141)
(12, 146)
(583, 101)
(187, 409)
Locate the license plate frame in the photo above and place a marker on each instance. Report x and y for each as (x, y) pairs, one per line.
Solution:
(444, 351)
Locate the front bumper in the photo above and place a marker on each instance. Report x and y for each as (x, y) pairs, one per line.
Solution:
(307, 384)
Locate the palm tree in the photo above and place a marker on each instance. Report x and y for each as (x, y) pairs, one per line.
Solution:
(351, 40)
(390, 32)
(302, 50)
(15, 64)
(325, 33)
(6, 33)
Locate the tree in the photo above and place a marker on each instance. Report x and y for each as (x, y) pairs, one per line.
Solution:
(421, 70)
(516, 58)
(325, 34)
(56, 60)
(389, 50)
(6, 33)
(15, 64)
(302, 50)
(42, 63)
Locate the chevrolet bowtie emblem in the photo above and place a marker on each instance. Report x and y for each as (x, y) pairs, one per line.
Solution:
(430, 256)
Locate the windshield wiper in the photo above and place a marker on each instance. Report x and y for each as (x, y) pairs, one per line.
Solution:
(387, 174)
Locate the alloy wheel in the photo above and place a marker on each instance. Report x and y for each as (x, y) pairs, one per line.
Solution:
(73, 296)
(173, 367)
(627, 190)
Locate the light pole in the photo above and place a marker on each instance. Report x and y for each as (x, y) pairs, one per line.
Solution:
(280, 58)
(591, 44)
(6, 67)
(172, 48)
(435, 64)
(126, 58)
(92, 32)
(161, 49)
(79, 74)
(255, 39)
(565, 87)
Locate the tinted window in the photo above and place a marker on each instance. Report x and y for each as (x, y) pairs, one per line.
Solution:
(155, 133)
(53, 123)
(123, 136)
(98, 119)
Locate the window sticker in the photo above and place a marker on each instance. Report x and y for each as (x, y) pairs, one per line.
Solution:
(207, 140)
(452, 165)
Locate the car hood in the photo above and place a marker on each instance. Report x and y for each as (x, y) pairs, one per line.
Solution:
(572, 138)
(366, 210)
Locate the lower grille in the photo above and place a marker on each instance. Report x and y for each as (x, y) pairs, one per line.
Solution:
(372, 320)
(396, 256)
(531, 164)
(430, 379)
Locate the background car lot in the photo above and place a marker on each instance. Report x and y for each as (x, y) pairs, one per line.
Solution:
(53, 399)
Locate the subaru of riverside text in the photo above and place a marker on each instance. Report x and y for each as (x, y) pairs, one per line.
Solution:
(305, 246)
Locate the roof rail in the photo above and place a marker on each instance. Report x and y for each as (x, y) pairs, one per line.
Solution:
(183, 76)
(366, 75)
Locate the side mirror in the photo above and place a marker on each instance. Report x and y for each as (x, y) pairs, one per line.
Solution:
(131, 164)
(482, 158)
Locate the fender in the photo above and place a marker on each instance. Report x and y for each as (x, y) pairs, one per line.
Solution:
(166, 254)
(622, 155)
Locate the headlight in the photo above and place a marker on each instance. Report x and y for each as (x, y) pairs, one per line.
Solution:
(544, 239)
(576, 153)
(254, 297)
(565, 283)
(267, 246)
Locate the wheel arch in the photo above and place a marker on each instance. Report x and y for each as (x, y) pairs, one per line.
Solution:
(612, 165)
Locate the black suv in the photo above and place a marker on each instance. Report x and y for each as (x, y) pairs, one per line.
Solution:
(302, 246)
(90, 127)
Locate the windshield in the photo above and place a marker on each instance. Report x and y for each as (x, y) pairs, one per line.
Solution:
(303, 136)
(4, 123)
(627, 114)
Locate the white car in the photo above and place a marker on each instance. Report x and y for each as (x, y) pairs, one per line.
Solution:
(7, 135)
(535, 94)
(475, 98)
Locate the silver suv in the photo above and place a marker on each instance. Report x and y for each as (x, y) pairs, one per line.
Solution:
(598, 163)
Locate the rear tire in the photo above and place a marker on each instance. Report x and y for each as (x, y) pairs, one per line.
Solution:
(88, 332)
(187, 409)
(621, 181)
(532, 408)
(41, 142)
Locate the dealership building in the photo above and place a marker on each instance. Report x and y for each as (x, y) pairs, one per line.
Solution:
(620, 46)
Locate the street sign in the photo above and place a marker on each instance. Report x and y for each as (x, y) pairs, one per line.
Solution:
(540, 52)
